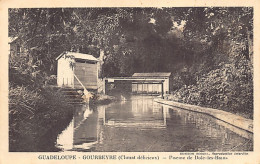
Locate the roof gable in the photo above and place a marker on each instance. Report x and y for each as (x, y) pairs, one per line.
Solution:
(12, 39)
(152, 74)
(77, 55)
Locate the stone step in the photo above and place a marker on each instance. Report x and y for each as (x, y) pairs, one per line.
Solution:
(76, 102)
(72, 95)
(74, 98)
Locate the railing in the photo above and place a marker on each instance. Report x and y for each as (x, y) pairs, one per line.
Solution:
(86, 92)
(80, 82)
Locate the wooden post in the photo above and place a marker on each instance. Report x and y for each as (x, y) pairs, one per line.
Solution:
(105, 86)
(162, 90)
(142, 88)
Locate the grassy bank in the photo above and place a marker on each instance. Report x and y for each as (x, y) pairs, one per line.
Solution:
(35, 118)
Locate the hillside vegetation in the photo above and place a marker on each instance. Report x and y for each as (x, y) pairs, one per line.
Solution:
(208, 50)
(228, 86)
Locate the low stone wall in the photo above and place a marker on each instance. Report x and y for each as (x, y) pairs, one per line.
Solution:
(238, 121)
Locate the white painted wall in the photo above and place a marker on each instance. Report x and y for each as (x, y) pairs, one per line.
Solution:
(65, 74)
(166, 86)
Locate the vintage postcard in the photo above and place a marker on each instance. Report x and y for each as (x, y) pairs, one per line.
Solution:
(129, 81)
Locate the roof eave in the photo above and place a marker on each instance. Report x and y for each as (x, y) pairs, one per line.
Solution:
(140, 75)
(57, 58)
(75, 57)
(88, 60)
(12, 39)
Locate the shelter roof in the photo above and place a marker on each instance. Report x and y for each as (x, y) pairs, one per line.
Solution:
(12, 39)
(77, 55)
(152, 74)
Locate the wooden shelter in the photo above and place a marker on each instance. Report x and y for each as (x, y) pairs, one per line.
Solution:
(77, 69)
(15, 47)
(151, 85)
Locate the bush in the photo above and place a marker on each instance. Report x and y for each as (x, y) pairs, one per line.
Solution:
(33, 114)
(229, 86)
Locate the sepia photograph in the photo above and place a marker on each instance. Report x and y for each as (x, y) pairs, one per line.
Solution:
(131, 79)
(141, 81)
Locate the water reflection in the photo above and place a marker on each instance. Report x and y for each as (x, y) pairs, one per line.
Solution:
(81, 133)
(141, 112)
(140, 124)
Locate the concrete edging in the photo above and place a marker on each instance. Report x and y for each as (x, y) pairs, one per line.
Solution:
(235, 120)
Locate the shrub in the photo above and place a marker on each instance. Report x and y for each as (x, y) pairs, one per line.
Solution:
(229, 86)
(33, 114)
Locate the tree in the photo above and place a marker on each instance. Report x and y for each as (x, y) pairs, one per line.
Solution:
(46, 33)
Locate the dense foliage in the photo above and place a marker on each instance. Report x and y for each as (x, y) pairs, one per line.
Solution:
(229, 86)
(35, 118)
(208, 51)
